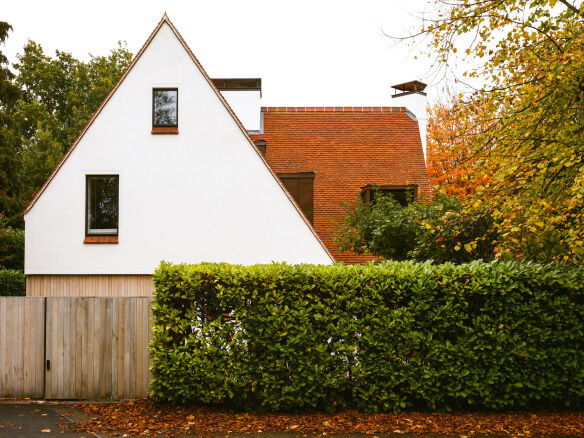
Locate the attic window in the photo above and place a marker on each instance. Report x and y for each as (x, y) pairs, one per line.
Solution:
(402, 194)
(165, 111)
(261, 145)
(101, 218)
(301, 186)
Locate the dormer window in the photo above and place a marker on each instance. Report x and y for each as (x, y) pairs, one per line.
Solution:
(404, 195)
(165, 111)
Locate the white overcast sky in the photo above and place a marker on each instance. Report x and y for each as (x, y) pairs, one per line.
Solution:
(307, 52)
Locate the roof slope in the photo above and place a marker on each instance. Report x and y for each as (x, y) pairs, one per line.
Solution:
(347, 148)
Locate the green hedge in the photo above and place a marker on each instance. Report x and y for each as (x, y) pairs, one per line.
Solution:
(12, 282)
(388, 337)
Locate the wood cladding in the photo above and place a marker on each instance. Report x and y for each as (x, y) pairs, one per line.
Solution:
(89, 286)
(22, 332)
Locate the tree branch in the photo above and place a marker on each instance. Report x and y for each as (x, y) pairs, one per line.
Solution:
(570, 7)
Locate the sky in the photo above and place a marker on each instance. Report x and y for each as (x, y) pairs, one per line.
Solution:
(307, 52)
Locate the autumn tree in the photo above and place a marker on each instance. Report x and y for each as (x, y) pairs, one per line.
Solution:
(530, 58)
(452, 161)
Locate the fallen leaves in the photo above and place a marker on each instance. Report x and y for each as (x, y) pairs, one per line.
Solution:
(147, 418)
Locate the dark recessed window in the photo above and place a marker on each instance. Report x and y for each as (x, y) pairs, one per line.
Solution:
(165, 107)
(261, 145)
(301, 186)
(102, 205)
(402, 194)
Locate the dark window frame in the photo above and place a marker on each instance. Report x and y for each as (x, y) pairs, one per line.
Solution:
(87, 230)
(154, 90)
(369, 188)
(298, 176)
(261, 146)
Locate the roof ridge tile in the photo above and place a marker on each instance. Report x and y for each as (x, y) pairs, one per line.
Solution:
(336, 109)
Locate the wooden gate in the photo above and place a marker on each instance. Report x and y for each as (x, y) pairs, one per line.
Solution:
(22, 347)
(74, 348)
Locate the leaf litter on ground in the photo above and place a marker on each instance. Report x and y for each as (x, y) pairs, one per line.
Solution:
(148, 418)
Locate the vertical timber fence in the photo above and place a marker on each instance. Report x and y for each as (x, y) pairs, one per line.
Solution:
(75, 348)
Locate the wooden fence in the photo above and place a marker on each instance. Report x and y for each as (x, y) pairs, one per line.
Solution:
(74, 348)
(22, 334)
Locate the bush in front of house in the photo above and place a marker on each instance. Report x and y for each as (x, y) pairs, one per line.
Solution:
(12, 282)
(11, 246)
(388, 337)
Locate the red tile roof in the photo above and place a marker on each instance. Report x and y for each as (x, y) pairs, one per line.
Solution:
(347, 148)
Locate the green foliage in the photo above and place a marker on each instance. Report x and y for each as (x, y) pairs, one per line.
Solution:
(383, 228)
(58, 97)
(524, 151)
(388, 337)
(12, 282)
(9, 94)
(438, 229)
(11, 246)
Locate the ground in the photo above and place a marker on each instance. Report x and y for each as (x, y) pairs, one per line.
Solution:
(139, 418)
(33, 420)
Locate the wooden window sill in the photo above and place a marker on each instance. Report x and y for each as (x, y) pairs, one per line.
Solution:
(165, 130)
(101, 239)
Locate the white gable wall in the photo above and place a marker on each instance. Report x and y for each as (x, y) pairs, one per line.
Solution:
(201, 195)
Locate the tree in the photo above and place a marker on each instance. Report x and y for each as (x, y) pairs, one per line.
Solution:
(58, 97)
(435, 229)
(9, 94)
(452, 162)
(530, 142)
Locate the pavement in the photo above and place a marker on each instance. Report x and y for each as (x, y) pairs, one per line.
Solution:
(34, 420)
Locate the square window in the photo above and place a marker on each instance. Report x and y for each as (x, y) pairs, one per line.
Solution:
(165, 107)
(102, 205)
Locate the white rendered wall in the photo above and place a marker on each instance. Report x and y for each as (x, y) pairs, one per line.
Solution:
(201, 195)
(247, 106)
(416, 103)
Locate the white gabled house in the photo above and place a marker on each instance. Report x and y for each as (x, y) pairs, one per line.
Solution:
(164, 170)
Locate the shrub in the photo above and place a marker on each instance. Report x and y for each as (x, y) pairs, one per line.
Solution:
(438, 229)
(11, 246)
(12, 282)
(388, 337)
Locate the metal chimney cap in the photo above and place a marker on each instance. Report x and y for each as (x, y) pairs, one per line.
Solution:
(410, 86)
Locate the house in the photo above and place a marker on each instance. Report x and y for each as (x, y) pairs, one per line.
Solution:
(180, 167)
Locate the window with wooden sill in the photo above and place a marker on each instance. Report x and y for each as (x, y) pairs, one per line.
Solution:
(165, 111)
(101, 208)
